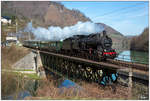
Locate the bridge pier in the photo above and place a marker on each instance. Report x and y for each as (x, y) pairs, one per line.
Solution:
(38, 64)
(130, 82)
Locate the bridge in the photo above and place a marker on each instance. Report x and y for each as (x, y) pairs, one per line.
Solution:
(76, 67)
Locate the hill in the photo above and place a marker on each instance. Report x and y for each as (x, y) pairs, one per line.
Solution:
(141, 42)
(43, 13)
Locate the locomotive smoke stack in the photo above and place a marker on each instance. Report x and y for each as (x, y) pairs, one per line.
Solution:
(104, 33)
(57, 33)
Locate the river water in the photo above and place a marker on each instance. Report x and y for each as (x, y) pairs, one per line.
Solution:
(134, 56)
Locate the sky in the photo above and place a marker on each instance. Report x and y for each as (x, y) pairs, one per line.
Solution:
(129, 18)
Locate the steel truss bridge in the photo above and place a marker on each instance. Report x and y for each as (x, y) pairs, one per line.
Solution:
(75, 67)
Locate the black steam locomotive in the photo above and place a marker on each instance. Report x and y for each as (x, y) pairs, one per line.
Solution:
(97, 47)
(94, 44)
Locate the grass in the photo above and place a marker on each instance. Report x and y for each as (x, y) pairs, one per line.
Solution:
(23, 69)
(139, 89)
(28, 75)
(19, 69)
(32, 76)
(12, 54)
(9, 83)
(49, 90)
(72, 98)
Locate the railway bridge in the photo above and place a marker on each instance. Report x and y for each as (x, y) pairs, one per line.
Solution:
(75, 67)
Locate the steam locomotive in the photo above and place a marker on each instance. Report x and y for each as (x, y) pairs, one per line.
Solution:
(94, 46)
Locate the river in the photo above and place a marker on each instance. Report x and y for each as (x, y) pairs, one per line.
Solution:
(134, 56)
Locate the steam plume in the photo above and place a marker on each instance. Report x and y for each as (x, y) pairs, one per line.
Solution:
(56, 33)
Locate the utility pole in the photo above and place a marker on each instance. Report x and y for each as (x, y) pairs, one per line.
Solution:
(130, 83)
(16, 26)
(30, 32)
(16, 21)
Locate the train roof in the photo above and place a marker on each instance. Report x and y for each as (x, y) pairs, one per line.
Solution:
(40, 41)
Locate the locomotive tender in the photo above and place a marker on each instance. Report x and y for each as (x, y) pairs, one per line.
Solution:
(94, 46)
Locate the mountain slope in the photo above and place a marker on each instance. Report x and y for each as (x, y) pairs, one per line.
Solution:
(43, 13)
(141, 42)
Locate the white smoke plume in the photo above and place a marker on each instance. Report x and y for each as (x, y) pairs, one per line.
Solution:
(56, 33)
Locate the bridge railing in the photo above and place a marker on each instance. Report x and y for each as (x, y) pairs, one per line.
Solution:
(135, 59)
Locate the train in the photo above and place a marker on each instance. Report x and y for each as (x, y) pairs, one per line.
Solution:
(97, 46)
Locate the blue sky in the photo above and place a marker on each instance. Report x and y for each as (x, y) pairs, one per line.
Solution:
(129, 18)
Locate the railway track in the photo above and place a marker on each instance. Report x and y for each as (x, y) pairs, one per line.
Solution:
(140, 71)
(143, 67)
(134, 65)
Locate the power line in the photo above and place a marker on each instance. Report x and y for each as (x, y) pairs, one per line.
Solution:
(122, 9)
(124, 12)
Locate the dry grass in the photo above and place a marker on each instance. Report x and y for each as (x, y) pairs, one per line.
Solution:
(11, 83)
(12, 54)
(96, 91)
(139, 90)
(8, 84)
(48, 90)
